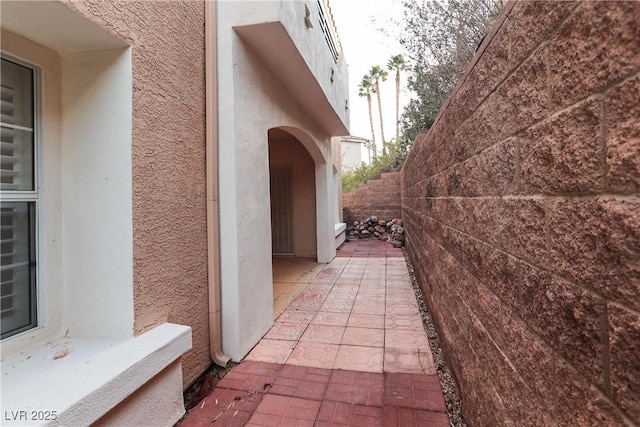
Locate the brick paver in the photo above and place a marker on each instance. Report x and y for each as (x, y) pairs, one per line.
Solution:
(350, 350)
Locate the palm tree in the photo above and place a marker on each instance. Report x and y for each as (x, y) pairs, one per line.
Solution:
(376, 73)
(366, 88)
(397, 63)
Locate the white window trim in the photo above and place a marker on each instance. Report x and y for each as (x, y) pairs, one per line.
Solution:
(95, 376)
(48, 286)
(83, 175)
(37, 192)
(92, 120)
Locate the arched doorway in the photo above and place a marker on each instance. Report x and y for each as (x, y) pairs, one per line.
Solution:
(292, 175)
(293, 196)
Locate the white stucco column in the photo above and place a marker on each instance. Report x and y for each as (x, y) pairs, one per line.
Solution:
(324, 212)
(246, 288)
(273, 72)
(245, 237)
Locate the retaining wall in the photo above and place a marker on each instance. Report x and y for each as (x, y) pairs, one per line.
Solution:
(522, 214)
(379, 197)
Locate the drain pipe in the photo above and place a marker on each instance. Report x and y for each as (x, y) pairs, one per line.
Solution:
(213, 217)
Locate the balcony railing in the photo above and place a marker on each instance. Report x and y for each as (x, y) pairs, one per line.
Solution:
(328, 28)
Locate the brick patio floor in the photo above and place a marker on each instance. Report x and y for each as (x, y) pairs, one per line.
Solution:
(350, 350)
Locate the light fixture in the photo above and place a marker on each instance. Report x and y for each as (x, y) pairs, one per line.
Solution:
(307, 17)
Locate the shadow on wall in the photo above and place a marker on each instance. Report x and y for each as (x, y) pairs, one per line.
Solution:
(522, 217)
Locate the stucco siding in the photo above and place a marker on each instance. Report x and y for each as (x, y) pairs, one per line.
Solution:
(251, 101)
(168, 162)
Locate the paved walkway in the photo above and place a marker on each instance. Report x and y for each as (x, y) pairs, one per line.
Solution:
(350, 350)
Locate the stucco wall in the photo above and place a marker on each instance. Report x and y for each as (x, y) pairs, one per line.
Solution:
(336, 152)
(169, 199)
(253, 100)
(351, 155)
(158, 400)
(332, 76)
(523, 218)
(285, 150)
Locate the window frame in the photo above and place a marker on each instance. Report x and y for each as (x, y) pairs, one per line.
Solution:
(34, 196)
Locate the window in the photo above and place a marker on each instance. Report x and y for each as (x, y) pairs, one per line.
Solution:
(19, 197)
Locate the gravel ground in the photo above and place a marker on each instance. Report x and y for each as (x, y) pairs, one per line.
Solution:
(449, 387)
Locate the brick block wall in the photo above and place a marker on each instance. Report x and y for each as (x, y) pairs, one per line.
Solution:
(522, 213)
(380, 197)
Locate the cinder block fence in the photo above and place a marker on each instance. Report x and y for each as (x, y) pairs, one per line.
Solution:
(522, 212)
(380, 197)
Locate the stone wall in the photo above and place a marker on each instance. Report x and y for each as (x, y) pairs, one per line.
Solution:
(522, 213)
(380, 197)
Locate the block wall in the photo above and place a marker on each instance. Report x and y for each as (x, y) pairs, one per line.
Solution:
(380, 197)
(522, 214)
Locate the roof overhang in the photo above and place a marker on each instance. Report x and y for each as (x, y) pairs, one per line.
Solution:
(272, 44)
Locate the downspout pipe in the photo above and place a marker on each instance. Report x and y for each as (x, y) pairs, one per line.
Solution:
(213, 217)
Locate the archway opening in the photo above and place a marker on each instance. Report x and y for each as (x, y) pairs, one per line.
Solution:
(292, 173)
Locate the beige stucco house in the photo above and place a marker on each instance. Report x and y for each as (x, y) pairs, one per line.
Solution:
(155, 155)
(352, 147)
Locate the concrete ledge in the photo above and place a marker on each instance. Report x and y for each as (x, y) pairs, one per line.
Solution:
(158, 402)
(93, 378)
(341, 234)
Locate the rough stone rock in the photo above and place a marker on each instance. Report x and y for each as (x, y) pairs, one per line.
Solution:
(396, 243)
(378, 228)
